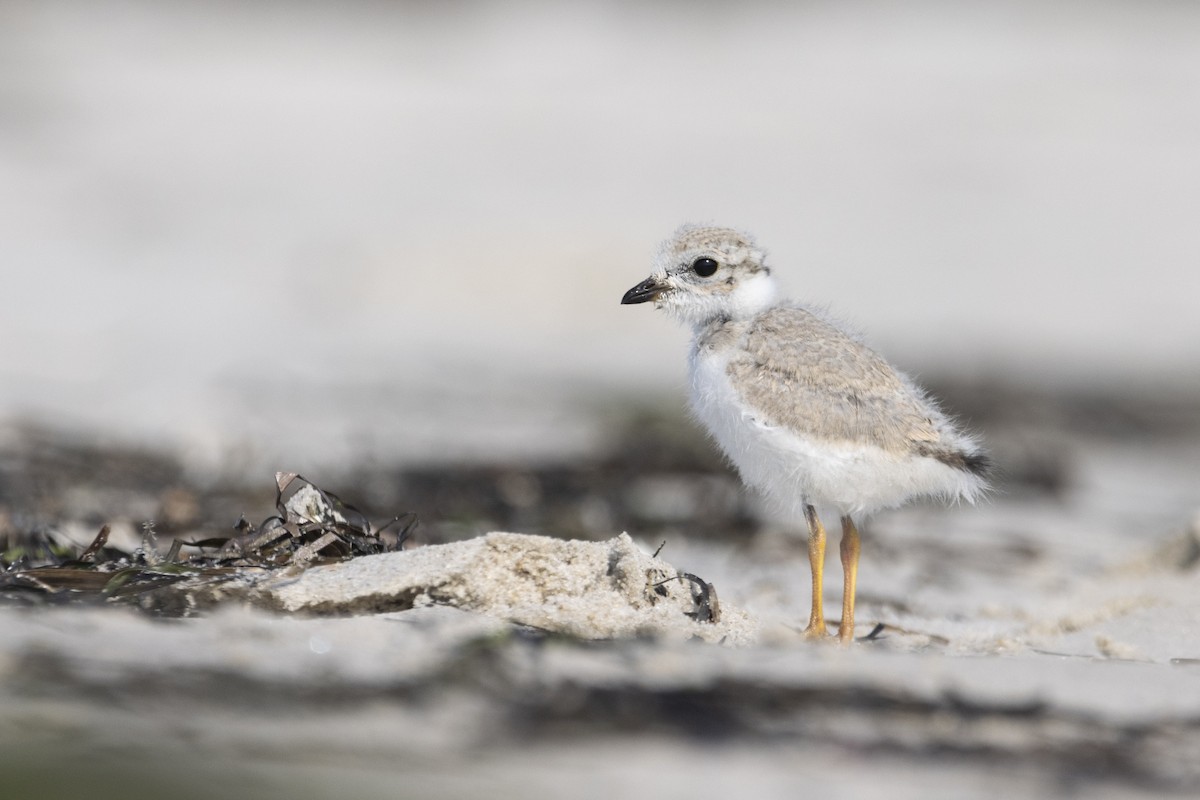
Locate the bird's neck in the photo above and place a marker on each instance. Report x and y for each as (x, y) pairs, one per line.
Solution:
(753, 296)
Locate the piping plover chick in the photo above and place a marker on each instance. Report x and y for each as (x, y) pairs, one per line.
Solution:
(810, 416)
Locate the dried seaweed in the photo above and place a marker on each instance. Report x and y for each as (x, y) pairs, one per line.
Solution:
(311, 526)
(704, 595)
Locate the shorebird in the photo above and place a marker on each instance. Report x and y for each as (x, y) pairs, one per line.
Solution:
(809, 415)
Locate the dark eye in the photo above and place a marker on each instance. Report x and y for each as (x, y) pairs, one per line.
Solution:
(704, 267)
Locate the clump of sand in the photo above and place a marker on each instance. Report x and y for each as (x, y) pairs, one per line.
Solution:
(594, 590)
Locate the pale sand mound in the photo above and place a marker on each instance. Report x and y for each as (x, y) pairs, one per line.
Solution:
(595, 590)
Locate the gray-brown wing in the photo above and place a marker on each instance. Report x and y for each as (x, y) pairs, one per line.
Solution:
(799, 371)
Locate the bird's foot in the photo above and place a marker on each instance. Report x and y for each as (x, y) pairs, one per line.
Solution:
(816, 631)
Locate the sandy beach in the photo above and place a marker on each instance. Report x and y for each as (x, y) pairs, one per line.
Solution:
(1043, 644)
(383, 246)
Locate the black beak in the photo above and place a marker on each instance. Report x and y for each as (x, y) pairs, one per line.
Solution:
(646, 290)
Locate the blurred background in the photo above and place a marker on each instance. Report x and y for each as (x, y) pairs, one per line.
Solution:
(373, 236)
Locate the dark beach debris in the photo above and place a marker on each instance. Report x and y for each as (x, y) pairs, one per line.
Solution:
(874, 635)
(311, 526)
(88, 556)
(704, 595)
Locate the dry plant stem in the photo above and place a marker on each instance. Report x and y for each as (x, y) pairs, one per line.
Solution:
(816, 561)
(850, 548)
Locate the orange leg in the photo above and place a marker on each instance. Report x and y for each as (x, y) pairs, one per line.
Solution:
(850, 549)
(816, 560)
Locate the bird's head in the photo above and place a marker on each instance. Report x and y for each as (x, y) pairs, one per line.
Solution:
(702, 274)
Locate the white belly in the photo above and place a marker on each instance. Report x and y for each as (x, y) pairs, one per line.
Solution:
(793, 469)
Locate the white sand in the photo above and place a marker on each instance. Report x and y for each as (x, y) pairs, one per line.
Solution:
(594, 590)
